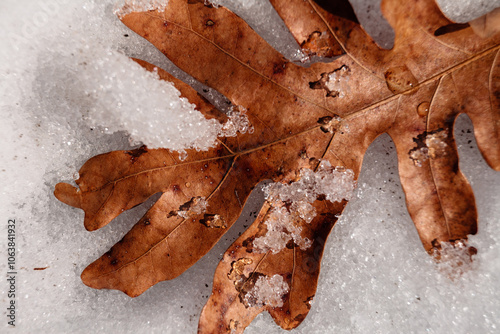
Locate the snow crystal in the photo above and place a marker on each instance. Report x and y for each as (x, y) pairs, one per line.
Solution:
(432, 146)
(436, 143)
(338, 82)
(284, 224)
(124, 7)
(156, 116)
(336, 184)
(305, 210)
(267, 291)
(194, 207)
(454, 259)
(237, 122)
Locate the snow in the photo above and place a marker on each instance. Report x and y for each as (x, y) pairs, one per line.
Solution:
(196, 206)
(433, 145)
(124, 7)
(338, 82)
(375, 276)
(267, 291)
(336, 183)
(284, 224)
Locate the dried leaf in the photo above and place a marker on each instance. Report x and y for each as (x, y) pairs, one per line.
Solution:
(328, 111)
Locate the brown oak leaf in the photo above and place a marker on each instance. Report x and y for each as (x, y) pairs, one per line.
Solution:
(328, 111)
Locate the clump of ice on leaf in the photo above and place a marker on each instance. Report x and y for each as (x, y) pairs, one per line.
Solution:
(267, 291)
(282, 226)
(338, 81)
(196, 206)
(237, 122)
(335, 183)
(285, 223)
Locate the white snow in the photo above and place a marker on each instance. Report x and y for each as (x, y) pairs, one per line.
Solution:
(375, 276)
(267, 291)
(124, 7)
(336, 183)
(284, 224)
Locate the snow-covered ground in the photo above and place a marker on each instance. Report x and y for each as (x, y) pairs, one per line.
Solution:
(63, 61)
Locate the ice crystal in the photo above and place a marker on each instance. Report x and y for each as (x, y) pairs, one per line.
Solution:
(125, 7)
(432, 146)
(193, 208)
(335, 183)
(267, 291)
(436, 143)
(237, 122)
(282, 226)
(284, 223)
(454, 258)
(338, 82)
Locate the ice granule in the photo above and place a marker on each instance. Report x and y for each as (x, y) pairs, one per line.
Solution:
(432, 146)
(194, 207)
(237, 122)
(125, 7)
(304, 210)
(214, 3)
(267, 292)
(436, 143)
(284, 224)
(300, 56)
(335, 183)
(338, 82)
(154, 115)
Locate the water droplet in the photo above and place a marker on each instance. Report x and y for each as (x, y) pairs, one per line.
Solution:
(400, 79)
(188, 184)
(423, 109)
(76, 176)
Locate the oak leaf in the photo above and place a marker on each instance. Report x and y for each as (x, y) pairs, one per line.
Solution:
(302, 117)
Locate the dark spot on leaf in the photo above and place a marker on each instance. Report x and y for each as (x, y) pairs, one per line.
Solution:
(135, 154)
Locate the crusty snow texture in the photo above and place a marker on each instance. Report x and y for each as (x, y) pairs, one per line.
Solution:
(66, 77)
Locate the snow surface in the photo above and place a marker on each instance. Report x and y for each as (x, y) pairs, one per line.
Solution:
(375, 277)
